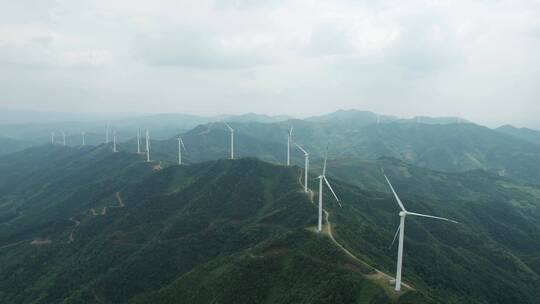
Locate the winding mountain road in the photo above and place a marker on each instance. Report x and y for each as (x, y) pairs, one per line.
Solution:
(327, 229)
(95, 213)
(72, 234)
(12, 244)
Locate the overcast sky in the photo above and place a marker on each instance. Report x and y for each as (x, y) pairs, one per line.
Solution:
(474, 59)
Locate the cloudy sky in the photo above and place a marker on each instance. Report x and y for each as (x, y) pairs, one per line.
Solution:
(474, 59)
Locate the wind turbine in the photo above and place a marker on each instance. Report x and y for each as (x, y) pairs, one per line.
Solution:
(321, 178)
(232, 139)
(138, 140)
(401, 229)
(180, 146)
(289, 140)
(64, 137)
(83, 138)
(52, 138)
(147, 145)
(114, 141)
(306, 166)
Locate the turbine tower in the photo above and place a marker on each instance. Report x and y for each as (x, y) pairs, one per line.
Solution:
(180, 147)
(306, 166)
(289, 140)
(232, 139)
(52, 138)
(322, 178)
(64, 137)
(83, 138)
(114, 141)
(401, 229)
(138, 140)
(147, 145)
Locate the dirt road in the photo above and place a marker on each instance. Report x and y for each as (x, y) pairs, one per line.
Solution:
(72, 234)
(327, 229)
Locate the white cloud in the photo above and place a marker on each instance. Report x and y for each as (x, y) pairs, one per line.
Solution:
(428, 57)
(35, 47)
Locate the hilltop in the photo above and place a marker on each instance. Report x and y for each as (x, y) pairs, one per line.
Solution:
(530, 135)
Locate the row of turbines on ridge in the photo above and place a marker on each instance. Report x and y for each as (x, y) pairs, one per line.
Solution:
(322, 181)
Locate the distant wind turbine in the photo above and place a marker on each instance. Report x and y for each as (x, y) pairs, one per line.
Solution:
(322, 178)
(83, 134)
(107, 133)
(289, 141)
(114, 141)
(401, 229)
(147, 145)
(64, 137)
(180, 147)
(232, 139)
(52, 138)
(306, 166)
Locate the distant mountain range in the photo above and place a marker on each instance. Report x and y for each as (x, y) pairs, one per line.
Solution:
(529, 135)
(446, 144)
(356, 118)
(14, 116)
(36, 127)
(450, 147)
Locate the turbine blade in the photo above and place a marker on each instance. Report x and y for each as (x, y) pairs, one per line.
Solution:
(228, 126)
(301, 149)
(334, 193)
(395, 237)
(325, 159)
(290, 131)
(431, 216)
(395, 194)
(183, 146)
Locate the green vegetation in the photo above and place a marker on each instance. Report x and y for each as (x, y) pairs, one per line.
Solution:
(241, 231)
(10, 145)
(456, 147)
(529, 135)
(226, 231)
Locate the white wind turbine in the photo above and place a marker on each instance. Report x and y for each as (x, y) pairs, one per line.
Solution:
(180, 146)
(401, 229)
(83, 134)
(147, 145)
(64, 137)
(289, 141)
(321, 178)
(114, 141)
(232, 139)
(306, 166)
(138, 140)
(52, 138)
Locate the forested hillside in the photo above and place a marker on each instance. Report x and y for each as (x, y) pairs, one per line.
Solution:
(85, 224)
